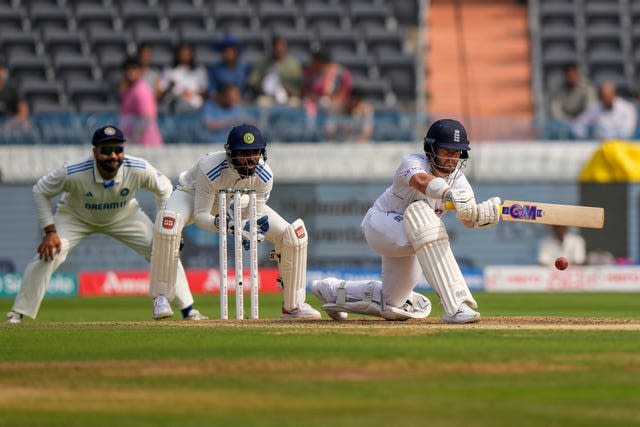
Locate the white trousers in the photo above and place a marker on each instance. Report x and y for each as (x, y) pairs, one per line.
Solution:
(384, 232)
(135, 231)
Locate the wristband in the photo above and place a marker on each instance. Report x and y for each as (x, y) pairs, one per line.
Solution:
(436, 188)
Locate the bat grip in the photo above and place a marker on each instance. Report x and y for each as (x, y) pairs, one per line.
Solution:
(450, 206)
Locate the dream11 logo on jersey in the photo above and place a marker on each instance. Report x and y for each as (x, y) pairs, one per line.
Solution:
(522, 212)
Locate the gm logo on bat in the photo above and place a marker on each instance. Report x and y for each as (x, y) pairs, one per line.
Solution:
(528, 212)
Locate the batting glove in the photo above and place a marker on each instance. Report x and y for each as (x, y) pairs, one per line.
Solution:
(464, 203)
(488, 213)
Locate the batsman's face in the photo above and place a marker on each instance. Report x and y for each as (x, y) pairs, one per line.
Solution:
(446, 161)
(245, 161)
(109, 157)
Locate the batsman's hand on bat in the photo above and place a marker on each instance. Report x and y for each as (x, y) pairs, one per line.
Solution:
(464, 203)
(50, 246)
(488, 213)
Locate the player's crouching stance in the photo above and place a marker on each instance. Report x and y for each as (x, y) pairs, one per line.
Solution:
(98, 196)
(405, 228)
(241, 166)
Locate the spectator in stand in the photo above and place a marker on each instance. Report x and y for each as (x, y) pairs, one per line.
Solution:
(14, 111)
(219, 116)
(327, 85)
(355, 124)
(563, 243)
(231, 69)
(138, 107)
(609, 117)
(150, 74)
(278, 76)
(571, 97)
(185, 84)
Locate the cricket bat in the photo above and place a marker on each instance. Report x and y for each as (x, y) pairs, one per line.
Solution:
(549, 213)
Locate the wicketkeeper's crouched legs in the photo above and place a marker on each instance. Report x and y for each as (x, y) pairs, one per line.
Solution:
(168, 278)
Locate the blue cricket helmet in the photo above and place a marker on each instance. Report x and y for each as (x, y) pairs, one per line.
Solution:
(245, 137)
(448, 134)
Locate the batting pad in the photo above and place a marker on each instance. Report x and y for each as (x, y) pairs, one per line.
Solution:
(293, 264)
(165, 254)
(430, 240)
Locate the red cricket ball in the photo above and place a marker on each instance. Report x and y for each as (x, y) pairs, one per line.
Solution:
(562, 263)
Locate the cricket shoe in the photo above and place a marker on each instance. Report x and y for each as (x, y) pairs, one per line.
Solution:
(13, 318)
(195, 315)
(323, 291)
(464, 315)
(302, 311)
(161, 308)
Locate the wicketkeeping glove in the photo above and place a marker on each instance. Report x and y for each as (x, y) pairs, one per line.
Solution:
(263, 228)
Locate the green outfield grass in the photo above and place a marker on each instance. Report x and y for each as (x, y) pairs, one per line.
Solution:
(535, 360)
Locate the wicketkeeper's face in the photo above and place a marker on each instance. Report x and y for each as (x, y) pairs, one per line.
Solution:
(245, 161)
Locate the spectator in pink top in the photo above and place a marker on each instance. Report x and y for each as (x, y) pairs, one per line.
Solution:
(138, 107)
(327, 85)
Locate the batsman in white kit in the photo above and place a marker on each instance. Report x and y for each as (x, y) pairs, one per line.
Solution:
(405, 228)
(241, 166)
(98, 196)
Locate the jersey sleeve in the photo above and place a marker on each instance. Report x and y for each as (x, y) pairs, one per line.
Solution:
(159, 184)
(203, 202)
(409, 166)
(46, 189)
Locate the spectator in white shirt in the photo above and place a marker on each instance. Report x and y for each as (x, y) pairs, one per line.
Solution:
(562, 243)
(186, 83)
(610, 117)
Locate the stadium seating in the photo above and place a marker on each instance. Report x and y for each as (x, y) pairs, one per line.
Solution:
(600, 36)
(71, 51)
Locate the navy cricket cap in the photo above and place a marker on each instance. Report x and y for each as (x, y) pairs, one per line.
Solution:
(448, 134)
(107, 134)
(245, 137)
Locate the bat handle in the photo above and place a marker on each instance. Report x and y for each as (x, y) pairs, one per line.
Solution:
(450, 206)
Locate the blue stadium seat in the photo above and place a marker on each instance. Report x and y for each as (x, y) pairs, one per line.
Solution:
(186, 15)
(318, 14)
(358, 64)
(89, 15)
(399, 69)
(36, 90)
(28, 66)
(339, 40)
(47, 15)
(231, 17)
(57, 40)
(140, 16)
(366, 14)
(11, 18)
(277, 16)
(380, 40)
(73, 66)
(17, 42)
(374, 91)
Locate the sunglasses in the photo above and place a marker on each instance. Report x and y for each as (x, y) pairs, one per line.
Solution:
(111, 149)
